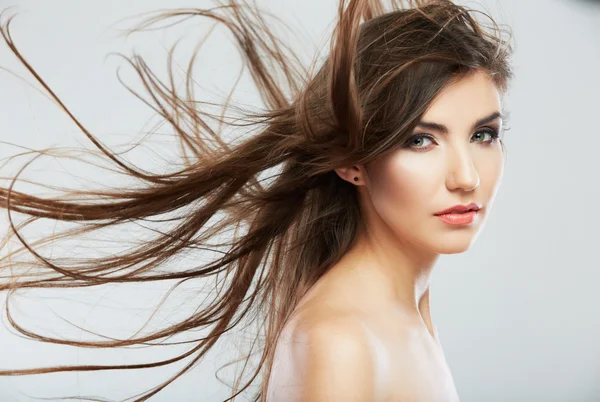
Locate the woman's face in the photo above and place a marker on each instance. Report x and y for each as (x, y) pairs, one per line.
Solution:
(441, 168)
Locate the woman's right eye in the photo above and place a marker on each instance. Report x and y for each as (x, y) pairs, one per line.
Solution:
(419, 141)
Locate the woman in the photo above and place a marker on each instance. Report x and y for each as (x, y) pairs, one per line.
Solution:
(387, 157)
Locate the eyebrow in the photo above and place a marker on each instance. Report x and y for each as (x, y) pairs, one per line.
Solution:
(443, 129)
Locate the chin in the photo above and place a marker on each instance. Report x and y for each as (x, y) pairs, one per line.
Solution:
(455, 243)
(453, 249)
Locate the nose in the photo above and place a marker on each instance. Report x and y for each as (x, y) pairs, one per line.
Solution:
(462, 174)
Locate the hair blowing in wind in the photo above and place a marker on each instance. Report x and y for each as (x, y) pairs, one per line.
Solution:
(386, 62)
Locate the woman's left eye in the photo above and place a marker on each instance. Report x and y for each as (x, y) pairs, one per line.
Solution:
(492, 133)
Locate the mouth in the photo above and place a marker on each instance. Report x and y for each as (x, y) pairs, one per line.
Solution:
(460, 209)
(459, 217)
(458, 212)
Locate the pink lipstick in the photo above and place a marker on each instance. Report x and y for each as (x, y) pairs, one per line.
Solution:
(459, 214)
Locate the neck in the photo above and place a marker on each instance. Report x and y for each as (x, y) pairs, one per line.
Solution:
(392, 274)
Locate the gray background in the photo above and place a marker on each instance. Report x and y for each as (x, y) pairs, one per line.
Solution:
(518, 314)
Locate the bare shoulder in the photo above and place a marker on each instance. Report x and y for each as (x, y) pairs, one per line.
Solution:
(338, 356)
(323, 357)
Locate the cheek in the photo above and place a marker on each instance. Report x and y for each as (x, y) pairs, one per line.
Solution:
(403, 186)
(491, 169)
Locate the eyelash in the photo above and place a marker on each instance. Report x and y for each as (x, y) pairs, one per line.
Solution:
(491, 131)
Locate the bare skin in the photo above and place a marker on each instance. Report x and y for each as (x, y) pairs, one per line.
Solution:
(407, 362)
(374, 303)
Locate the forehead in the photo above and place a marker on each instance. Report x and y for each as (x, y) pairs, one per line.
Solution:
(464, 101)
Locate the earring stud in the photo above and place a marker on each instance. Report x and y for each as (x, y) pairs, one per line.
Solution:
(356, 179)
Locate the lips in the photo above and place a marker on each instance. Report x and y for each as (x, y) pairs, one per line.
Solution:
(459, 209)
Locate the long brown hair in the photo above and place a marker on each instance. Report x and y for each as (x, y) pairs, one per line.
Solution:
(385, 66)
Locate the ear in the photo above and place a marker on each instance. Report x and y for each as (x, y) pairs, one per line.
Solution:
(353, 174)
